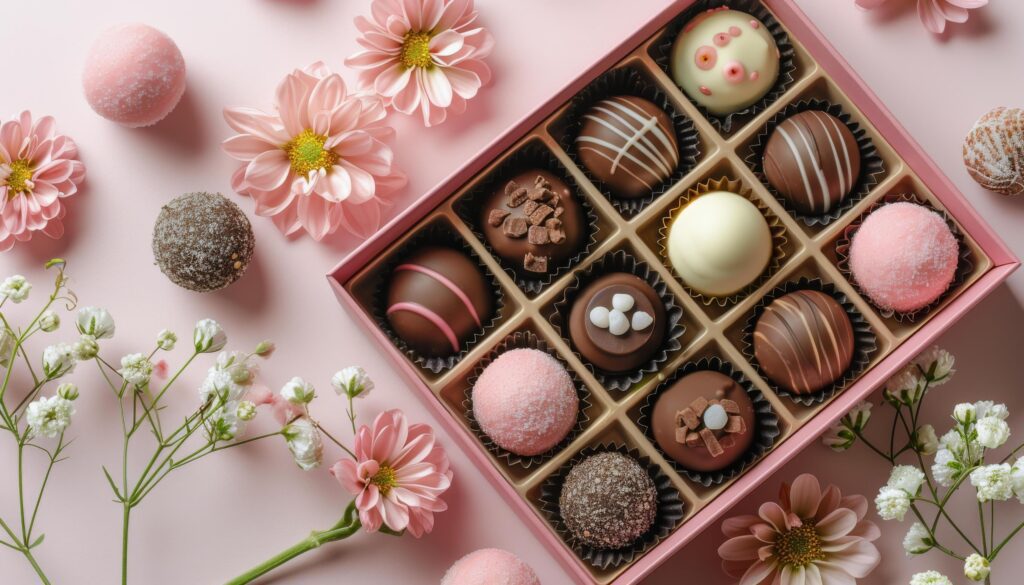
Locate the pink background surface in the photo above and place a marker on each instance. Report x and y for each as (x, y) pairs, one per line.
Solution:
(218, 517)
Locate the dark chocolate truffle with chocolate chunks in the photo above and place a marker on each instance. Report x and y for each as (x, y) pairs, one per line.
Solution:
(534, 223)
(813, 160)
(437, 299)
(705, 421)
(803, 341)
(202, 241)
(608, 501)
(629, 144)
(617, 322)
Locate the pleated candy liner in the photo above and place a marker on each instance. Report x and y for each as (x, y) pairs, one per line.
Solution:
(440, 236)
(669, 515)
(525, 340)
(530, 156)
(662, 53)
(864, 341)
(872, 167)
(964, 265)
(622, 261)
(775, 226)
(628, 81)
(767, 422)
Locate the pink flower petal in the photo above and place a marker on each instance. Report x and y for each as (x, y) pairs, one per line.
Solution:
(953, 13)
(268, 171)
(857, 503)
(837, 524)
(464, 82)
(314, 215)
(327, 95)
(773, 514)
(793, 575)
(870, 4)
(453, 12)
(290, 94)
(741, 548)
(413, 10)
(931, 16)
(395, 515)
(867, 530)
(252, 121)
(246, 147)
(739, 525)
(835, 576)
(392, 81)
(345, 472)
(969, 4)
(858, 560)
(363, 185)
(436, 86)
(805, 495)
(757, 573)
(338, 184)
(447, 43)
(370, 59)
(408, 99)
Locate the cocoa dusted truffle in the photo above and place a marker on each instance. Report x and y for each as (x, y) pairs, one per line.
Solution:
(608, 501)
(534, 223)
(202, 241)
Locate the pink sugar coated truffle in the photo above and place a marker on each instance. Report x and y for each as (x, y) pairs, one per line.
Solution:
(134, 75)
(525, 401)
(490, 566)
(904, 256)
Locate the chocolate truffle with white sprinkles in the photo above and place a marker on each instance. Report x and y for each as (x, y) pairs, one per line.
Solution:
(202, 241)
(608, 501)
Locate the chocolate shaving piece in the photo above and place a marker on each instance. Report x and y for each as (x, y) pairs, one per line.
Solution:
(541, 181)
(511, 187)
(497, 216)
(735, 425)
(556, 236)
(542, 213)
(727, 441)
(689, 417)
(681, 436)
(514, 227)
(693, 440)
(538, 194)
(535, 263)
(713, 402)
(518, 197)
(714, 447)
(559, 211)
(730, 406)
(553, 223)
(537, 235)
(699, 405)
(530, 207)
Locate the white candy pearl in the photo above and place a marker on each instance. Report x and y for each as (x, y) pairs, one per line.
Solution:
(622, 302)
(618, 324)
(599, 317)
(641, 321)
(715, 417)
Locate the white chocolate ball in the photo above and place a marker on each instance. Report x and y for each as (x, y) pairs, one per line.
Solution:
(719, 243)
(599, 317)
(618, 324)
(715, 417)
(642, 320)
(725, 60)
(622, 302)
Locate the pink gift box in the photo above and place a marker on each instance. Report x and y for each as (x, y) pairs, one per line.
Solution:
(823, 73)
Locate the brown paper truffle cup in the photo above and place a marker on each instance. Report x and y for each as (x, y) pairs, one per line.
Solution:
(864, 341)
(662, 53)
(629, 81)
(532, 155)
(622, 261)
(964, 266)
(767, 422)
(671, 510)
(525, 340)
(775, 226)
(872, 167)
(435, 234)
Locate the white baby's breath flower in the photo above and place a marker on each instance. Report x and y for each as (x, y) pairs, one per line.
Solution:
(937, 364)
(68, 391)
(265, 349)
(352, 381)
(96, 322)
(304, 443)
(224, 424)
(965, 413)
(952, 441)
(246, 410)
(917, 541)
(136, 369)
(1017, 479)
(239, 366)
(839, 438)
(49, 321)
(906, 386)
(976, 567)
(86, 348)
(993, 482)
(988, 408)
(858, 417)
(946, 468)
(49, 416)
(907, 478)
(892, 503)
(930, 578)
(166, 339)
(993, 432)
(219, 386)
(58, 359)
(6, 347)
(208, 336)
(925, 441)
(15, 288)
(298, 391)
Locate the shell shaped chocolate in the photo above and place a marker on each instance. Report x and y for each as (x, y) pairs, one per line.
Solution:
(608, 501)
(804, 341)
(629, 144)
(994, 151)
(437, 299)
(813, 160)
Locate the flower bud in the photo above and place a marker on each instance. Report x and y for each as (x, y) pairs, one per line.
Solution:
(166, 339)
(858, 417)
(6, 347)
(96, 322)
(58, 359)
(265, 349)
(208, 336)
(976, 567)
(298, 391)
(15, 288)
(917, 541)
(246, 410)
(839, 438)
(964, 413)
(49, 321)
(352, 381)
(68, 391)
(925, 440)
(86, 348)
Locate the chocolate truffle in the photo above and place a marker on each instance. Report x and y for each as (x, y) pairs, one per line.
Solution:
(994, 151)
(719, 243)
(629, 144)
(525, 401)
(490, 566)
(617, 322)
(705, 421)
(812, 159)
(437, 299)
(725, 60)
(202, 241)
(804, 341)
(534, 223)
(608, 501)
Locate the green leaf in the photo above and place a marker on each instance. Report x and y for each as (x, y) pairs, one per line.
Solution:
(110, 480)
(55, 262)
(37, 541)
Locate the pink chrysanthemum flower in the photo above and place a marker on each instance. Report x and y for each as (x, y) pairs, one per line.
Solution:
(809, 537)
(398, 477)
(38, 168)
(935, 13)
(321, 161)
(424, 55)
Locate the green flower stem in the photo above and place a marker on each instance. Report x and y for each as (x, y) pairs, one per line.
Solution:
(984, 537)
(996, 550)
(932, 536)
(347, 526)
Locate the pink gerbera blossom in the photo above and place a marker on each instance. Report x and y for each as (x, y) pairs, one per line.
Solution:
(809, 537)
(38, 168)
(935, 13)
(320, 161)
(398, 476)
(424, 55)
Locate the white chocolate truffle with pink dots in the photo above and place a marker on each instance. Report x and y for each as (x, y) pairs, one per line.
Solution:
(134, 75)
(490, 566)
(725, 60)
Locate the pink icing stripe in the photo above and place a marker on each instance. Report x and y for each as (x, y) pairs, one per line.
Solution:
(458, 292)
(429, 316)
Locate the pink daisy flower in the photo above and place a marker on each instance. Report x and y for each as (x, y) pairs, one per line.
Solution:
(38, 168)
(320, 161)
(935, 13)
(424, 55)
(398, 477)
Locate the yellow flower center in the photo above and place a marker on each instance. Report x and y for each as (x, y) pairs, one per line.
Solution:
(799, 547)
(384, 479)
(21, 175)
(416, 50)
(307, 153)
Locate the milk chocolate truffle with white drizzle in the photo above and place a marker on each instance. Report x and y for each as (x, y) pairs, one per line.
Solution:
(629, 144)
